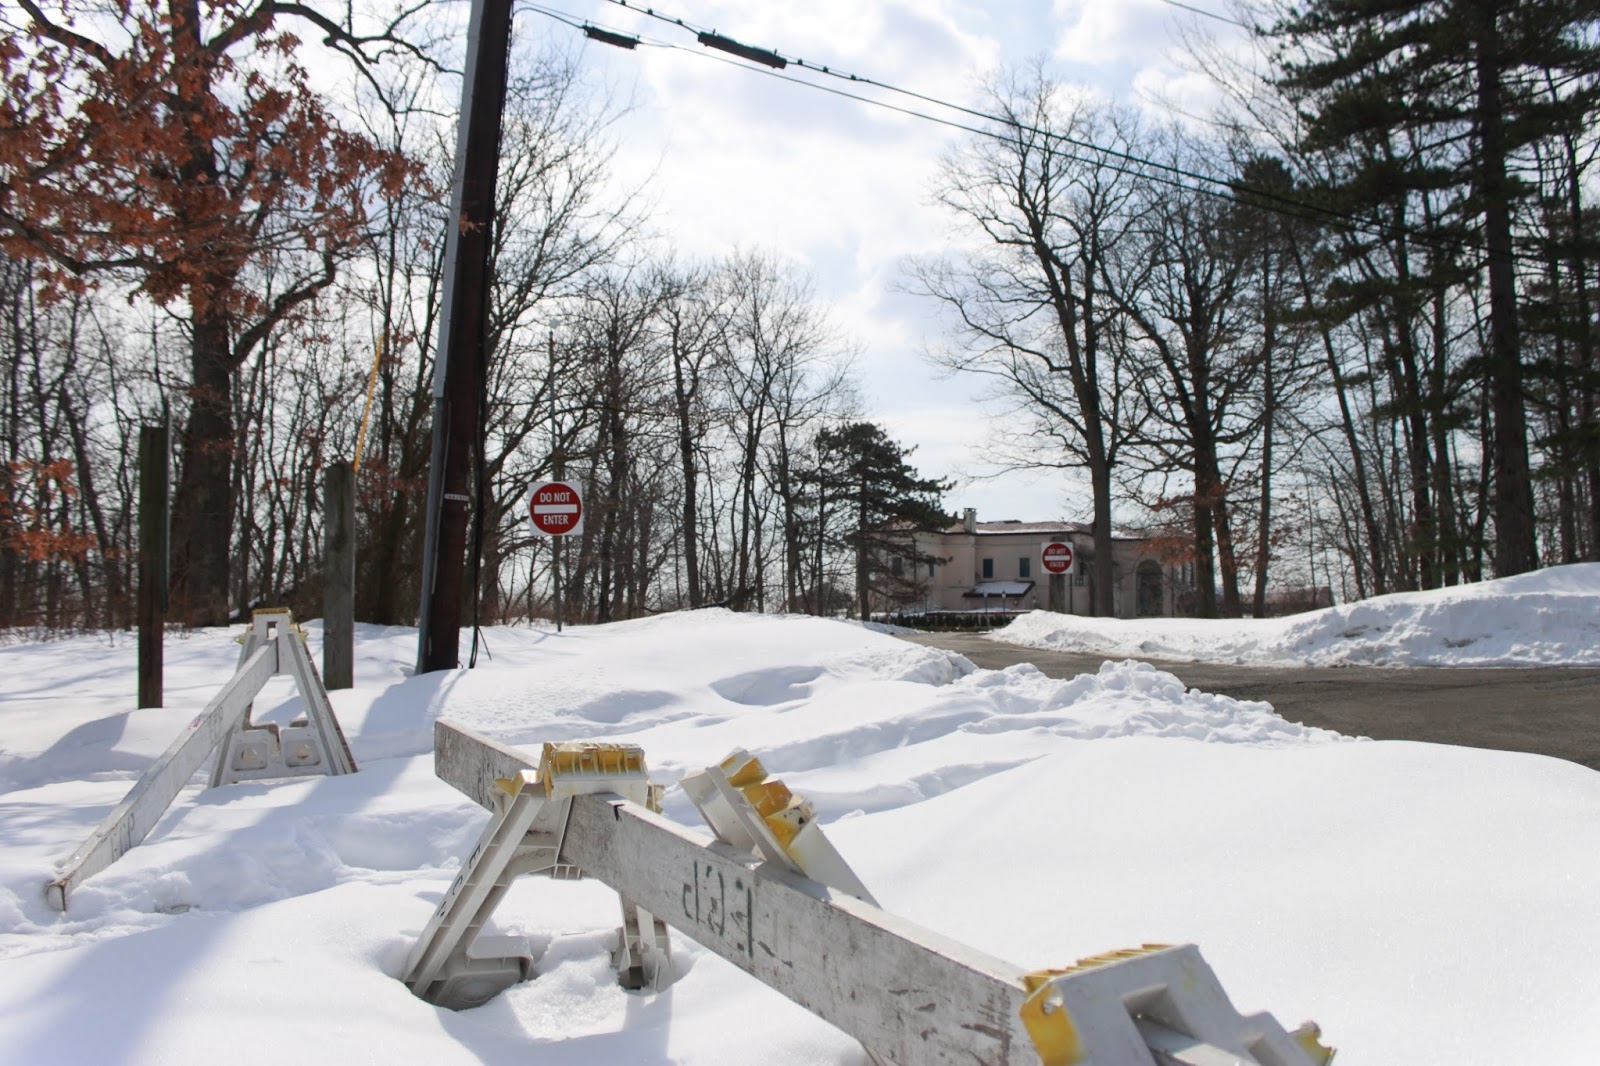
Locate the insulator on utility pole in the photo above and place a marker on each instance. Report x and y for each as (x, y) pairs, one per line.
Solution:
(616, 40)
(607, 37)
(743, 51)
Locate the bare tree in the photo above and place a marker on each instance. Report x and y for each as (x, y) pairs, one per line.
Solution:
(779, 371)
(692, 322)
(1030, 310)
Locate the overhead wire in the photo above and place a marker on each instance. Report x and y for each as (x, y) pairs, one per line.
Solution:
(1052, 135)
(1209, 14)
(1167, 174)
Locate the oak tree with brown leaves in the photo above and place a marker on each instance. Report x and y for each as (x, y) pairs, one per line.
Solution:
(180, 146)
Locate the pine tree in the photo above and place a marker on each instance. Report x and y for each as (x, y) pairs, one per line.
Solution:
(1464, 81)
(877, 502)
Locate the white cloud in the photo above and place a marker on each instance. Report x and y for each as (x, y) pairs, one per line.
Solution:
(741, 158)
(1101, 33)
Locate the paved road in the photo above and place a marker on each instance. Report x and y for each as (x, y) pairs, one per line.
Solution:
(1548, 710)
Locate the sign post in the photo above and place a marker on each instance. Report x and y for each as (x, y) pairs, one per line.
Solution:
(1056, 557)
(154, 516)
(556, 508)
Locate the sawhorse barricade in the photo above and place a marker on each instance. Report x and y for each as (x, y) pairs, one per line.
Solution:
(313, 744)
(772, 896)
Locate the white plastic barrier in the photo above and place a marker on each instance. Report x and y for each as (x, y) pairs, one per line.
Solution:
(772, 896)
(313, 744)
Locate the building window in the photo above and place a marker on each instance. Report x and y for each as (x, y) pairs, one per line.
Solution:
(1025, 567)
(897, 565)
(988, 569)
(1079, 579)
(931, 565)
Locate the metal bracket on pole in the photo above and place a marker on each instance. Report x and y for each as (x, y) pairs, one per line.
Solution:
(312, 745)
(786, 915)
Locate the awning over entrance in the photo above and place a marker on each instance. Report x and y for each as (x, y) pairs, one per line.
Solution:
(984, 589)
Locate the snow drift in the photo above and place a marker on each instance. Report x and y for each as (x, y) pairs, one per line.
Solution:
(1388, 890)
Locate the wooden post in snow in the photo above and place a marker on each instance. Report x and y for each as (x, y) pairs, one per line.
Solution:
(153, 540)
(339, 576)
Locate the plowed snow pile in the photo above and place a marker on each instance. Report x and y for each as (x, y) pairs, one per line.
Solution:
(1547, 618)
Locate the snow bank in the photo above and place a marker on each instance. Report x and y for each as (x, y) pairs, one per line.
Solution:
(1547, 618)
(1386, 890)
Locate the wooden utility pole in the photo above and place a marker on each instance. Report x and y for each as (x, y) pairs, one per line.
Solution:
(339, 575)
(459, 375)
(153, 544)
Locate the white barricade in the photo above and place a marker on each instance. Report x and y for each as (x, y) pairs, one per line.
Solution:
(313, 744)
(772, 896)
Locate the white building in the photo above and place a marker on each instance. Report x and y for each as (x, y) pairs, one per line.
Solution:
(996, 566)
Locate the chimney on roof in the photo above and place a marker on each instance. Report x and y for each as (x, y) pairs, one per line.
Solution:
(969, 520)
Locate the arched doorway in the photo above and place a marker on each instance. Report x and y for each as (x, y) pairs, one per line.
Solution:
(1147, 589)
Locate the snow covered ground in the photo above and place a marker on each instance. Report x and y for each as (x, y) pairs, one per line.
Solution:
(1425, 904)
(1547, 618)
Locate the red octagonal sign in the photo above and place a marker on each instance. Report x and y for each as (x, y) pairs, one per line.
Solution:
(556, 507)
(1058, 558)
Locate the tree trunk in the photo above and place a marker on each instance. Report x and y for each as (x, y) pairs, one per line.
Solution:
(1369, 517)
(1515, 536)
(89, 493)
(1269, 416)
(1588, 451)
(863, 608)
(203, 504)
(1449, 534)
(1205, 555)
(691, 476)
(1407, 382)
(1104, 568)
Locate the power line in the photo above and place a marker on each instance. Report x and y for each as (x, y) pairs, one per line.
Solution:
(987, 117)
(1209, 14)
(1170, 175)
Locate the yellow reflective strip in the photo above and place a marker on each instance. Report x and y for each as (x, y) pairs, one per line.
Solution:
(579, 758)
(1309, 1037)
(742, 768)
(768, 797)
(1049, 1025)
(787, 823)
(512, 785)
(1107, 957)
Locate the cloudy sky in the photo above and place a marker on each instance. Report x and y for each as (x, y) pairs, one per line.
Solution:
(742, 159)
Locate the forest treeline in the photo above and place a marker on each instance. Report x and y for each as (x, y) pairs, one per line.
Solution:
(1340, 334)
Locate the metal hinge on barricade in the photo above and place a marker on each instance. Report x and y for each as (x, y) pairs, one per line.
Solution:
(1157, 1005)
(750, 810)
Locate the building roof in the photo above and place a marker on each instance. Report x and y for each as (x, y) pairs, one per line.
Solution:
(1010, 527)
